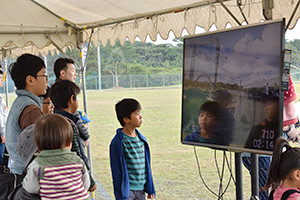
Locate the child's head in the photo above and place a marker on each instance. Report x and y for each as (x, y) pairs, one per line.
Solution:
(64, 94)
(64, 69)
(47, 103)
(52, 131)
(272, 110)
(223, 97)
(26, 64)
(210, 115)
(125, 108)
(285, 164)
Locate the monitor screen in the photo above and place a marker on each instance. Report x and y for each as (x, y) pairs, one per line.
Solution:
(231, 96)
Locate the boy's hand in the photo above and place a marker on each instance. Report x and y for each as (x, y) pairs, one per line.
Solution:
(2, 139)
(150, 196)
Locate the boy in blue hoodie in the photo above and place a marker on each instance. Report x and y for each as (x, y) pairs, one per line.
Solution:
(130, 155)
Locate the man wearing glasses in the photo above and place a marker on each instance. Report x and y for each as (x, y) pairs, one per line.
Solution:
(30, 77)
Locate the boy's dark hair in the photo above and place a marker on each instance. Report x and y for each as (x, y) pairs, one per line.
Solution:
(61, 64)
(26, 64)
(61, 92)
(52, 131)
(213, 108)
(125, 107)
(47, 93)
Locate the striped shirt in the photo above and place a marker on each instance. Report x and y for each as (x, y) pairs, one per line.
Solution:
(134, 152)
(63, 182)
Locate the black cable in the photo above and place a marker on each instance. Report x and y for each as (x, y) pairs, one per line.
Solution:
(231, 176)
(221, 175)
(230, 168)
(216, 162)
(221, 178)
(199, 170)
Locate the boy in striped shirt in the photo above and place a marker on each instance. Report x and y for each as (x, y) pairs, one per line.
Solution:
(56, 172)
(130, 155)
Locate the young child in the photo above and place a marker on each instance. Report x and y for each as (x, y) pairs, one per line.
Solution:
(209, 118)
(130, 155)
(56, 172)
(48, 106)
(284, 172)
(64, 96)
(30, 77)
(64, 69)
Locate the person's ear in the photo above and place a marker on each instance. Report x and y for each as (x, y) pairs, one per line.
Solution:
(126, 120)
(71, 100)
(62, 73)
(29, 80)
(296, 175)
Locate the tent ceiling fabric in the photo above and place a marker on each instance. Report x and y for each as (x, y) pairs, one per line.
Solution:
(27, 22)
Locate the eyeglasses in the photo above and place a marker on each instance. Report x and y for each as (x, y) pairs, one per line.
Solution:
(48, 103)
(44, 75)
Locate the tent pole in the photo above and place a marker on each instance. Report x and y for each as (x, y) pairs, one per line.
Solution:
(83, 63)
(239, 3)
(99, 66)
(229, 12)
(268, 6)
(83, 80)
(292, 16)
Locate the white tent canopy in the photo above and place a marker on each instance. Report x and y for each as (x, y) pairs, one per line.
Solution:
(64, 22)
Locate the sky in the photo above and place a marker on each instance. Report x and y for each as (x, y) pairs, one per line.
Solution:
(255, 47)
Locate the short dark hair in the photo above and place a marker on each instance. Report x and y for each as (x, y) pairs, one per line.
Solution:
(61, 92)
(61, 64)
(26, 64)
(213, 108)
(125, 107)
(52, 131)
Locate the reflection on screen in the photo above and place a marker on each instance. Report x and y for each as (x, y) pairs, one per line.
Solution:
(231, 92)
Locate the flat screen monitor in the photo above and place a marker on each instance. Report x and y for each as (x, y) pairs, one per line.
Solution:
(232, 97)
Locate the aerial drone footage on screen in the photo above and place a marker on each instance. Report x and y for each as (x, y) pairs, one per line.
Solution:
(231, 96)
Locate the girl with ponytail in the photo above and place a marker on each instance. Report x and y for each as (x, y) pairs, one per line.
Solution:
(284, 174)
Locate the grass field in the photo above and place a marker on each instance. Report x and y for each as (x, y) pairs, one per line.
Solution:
(174, 165)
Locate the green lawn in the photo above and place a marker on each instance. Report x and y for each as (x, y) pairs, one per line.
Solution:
(174, 165)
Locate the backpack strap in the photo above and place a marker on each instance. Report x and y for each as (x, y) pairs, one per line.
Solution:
(271, 194)
(287, 193)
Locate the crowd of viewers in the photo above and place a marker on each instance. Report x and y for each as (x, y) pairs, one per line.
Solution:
(45, 136)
